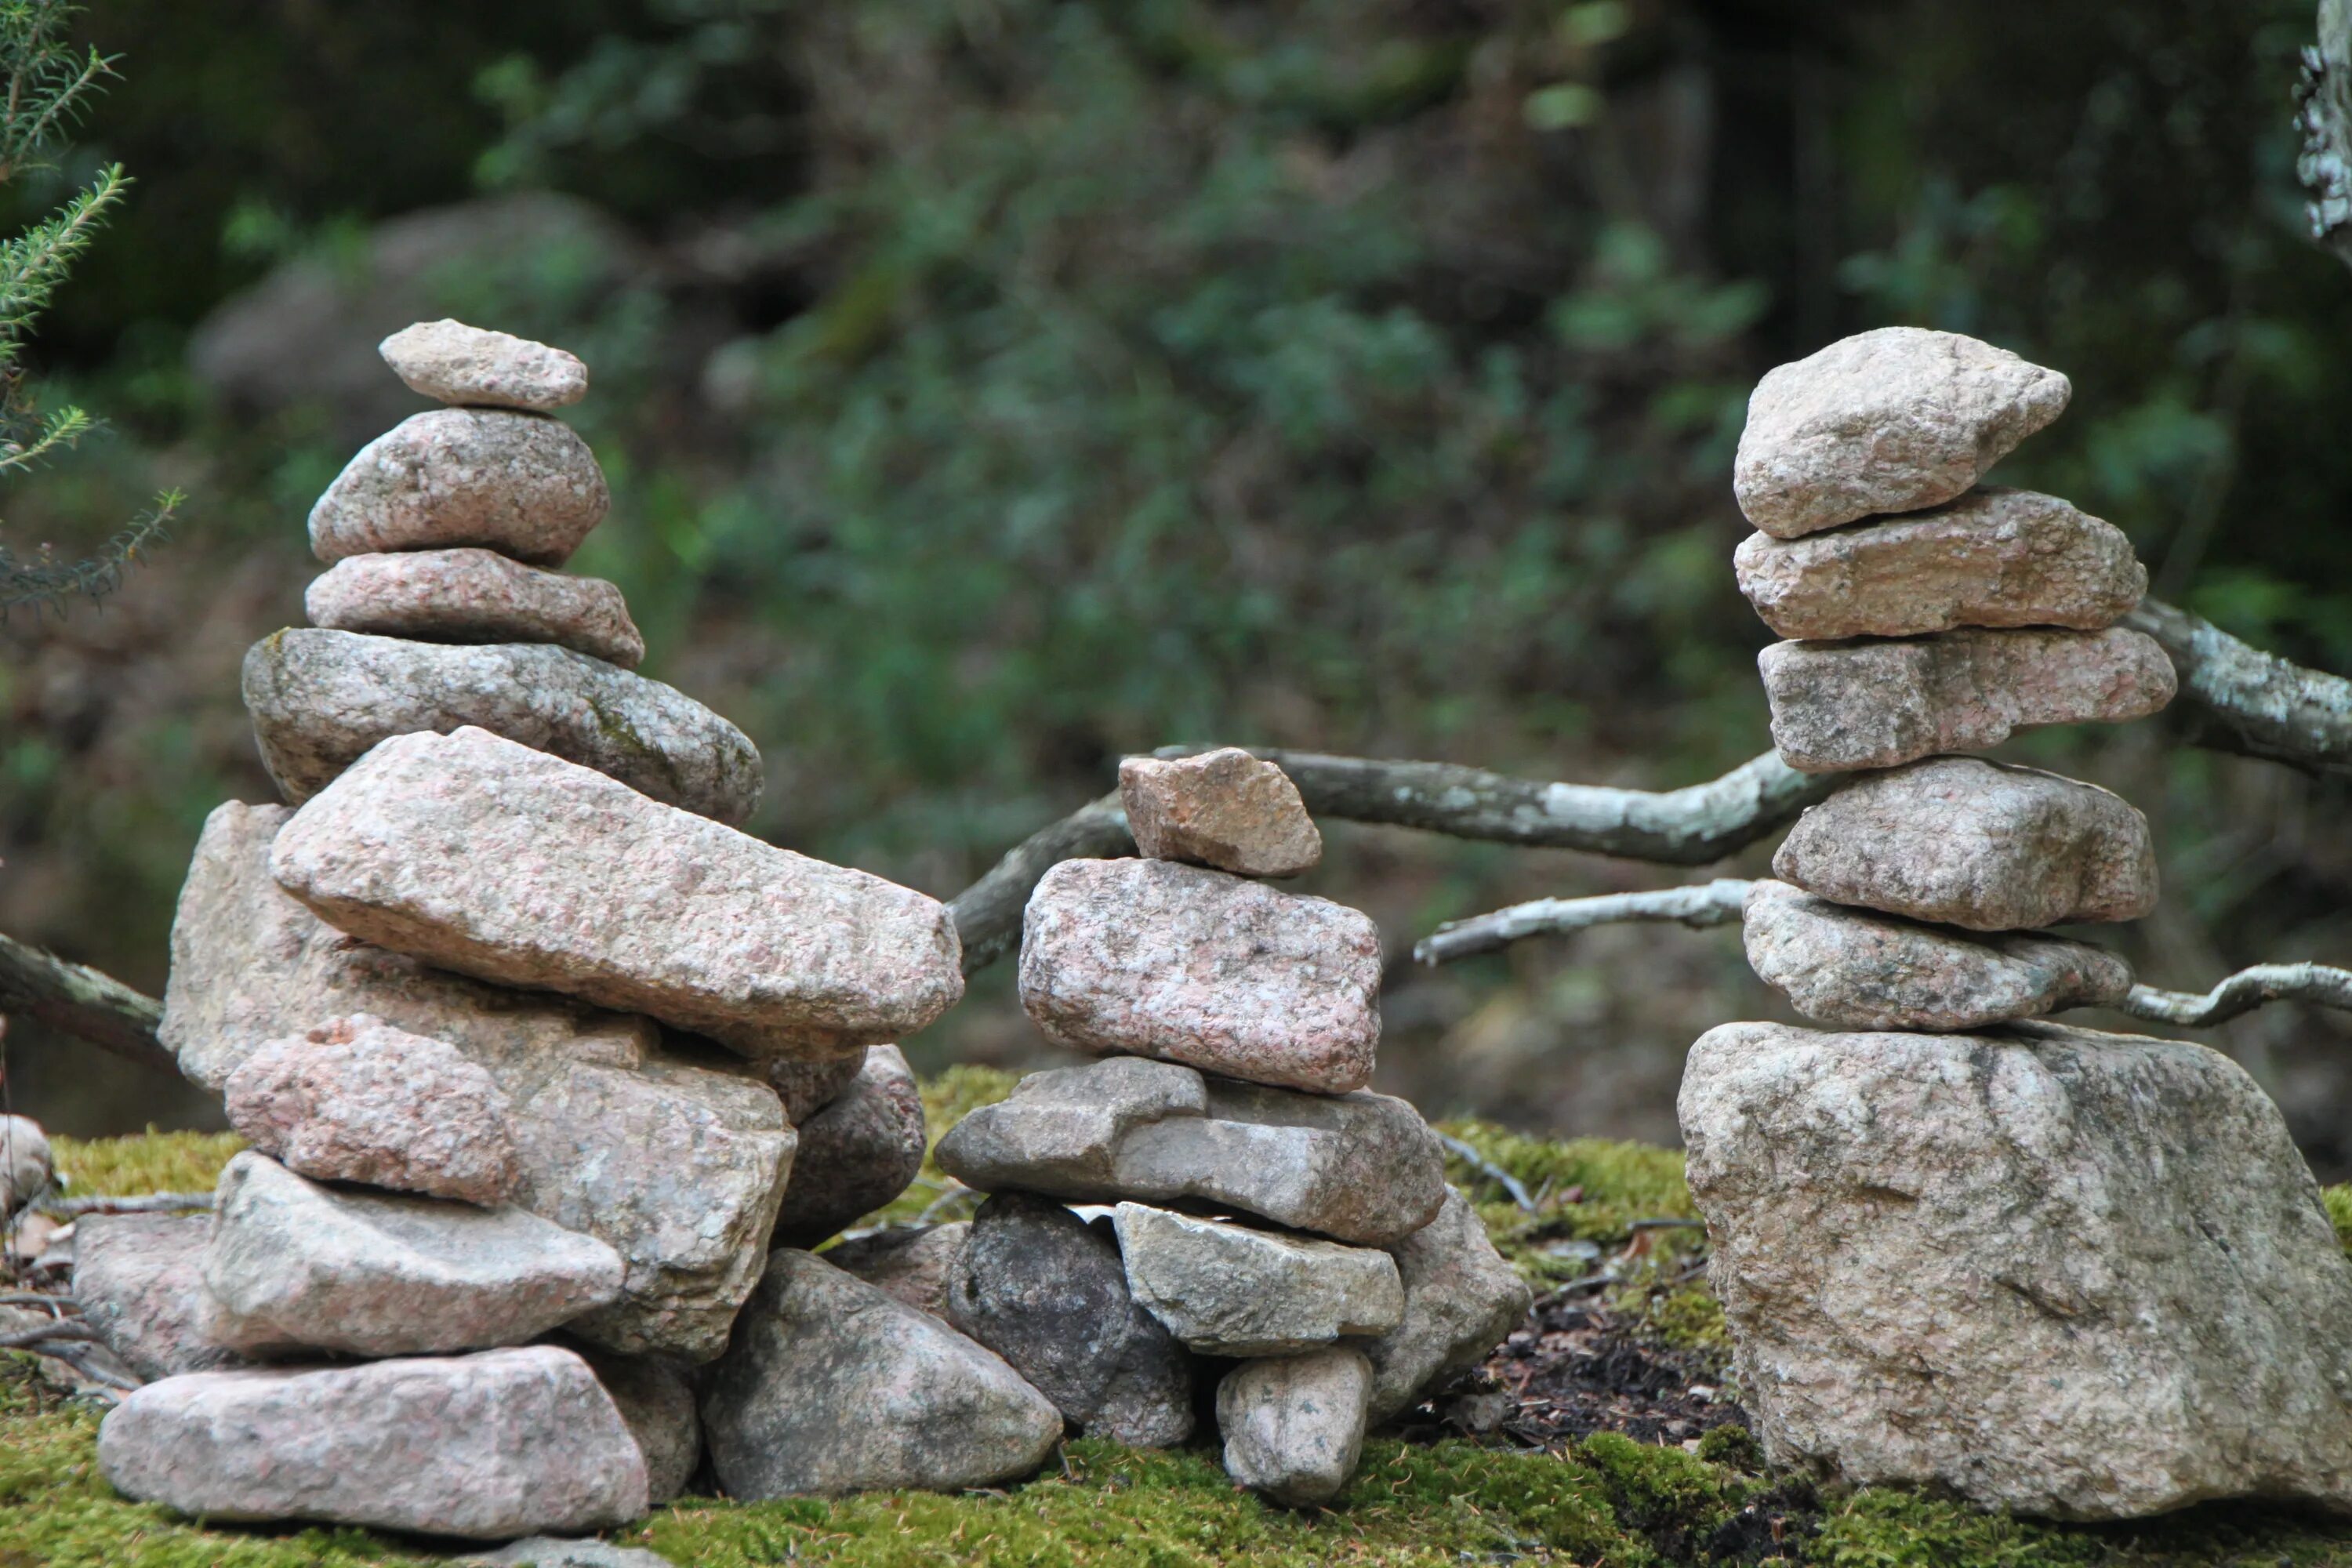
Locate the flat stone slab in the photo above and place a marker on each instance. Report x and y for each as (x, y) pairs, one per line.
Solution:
(474, 596)
(2063, 1273)
(293, 1265)
(474, 367)
(1886, 420)
(831, 1386)
(910, 1263)
(857, 1153)
(1223, 808)
(521, 484)
(1362, 1168)
(1976, 844)
(489, 1446)
(478, 855)
(1294, 1427)
(1204, 968)
(1855, 969)
(1993, 558)
(139, 1281)
(1838, 706)
(1461, 1300)
(1225, 1290)
(321, 699)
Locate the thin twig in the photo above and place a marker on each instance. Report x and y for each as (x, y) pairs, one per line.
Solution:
(60, 1328)
(2242, 993)
(1693, 904)
(146, 1202)
(1491, 1171)
(956, 1192)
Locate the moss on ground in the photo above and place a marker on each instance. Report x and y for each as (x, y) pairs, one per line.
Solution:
(156, 1162)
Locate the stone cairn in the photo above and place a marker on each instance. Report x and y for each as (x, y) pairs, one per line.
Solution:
(2067, 1273)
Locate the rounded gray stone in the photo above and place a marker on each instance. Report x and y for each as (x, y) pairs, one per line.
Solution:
(1461, 1300)
(521, 484)
(475, 367)
(1294, 1427)
(857, 1153)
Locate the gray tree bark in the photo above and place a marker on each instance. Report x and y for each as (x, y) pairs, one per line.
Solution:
(2324, 116)
(83, 1003)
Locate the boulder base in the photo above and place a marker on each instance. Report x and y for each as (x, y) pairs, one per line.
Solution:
(1294, 1427)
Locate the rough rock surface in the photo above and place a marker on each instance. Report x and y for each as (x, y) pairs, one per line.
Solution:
(1881, 704)
(551, 1551)
(1461, 1300)
(521, 484)
(910, 1263)
(808, 1086)
(25, 1165)
(1294, 1427)
(1204, 968)
(293, 1264)
(1223, 808)
(655, 1395)
(831, 1386)
(357, 1101)
(2064, 1273)
(1993, 558)
(474, 853)
(474, 367)
(1976, 844)
(488, 1446)
(139, 1279)
(856, 1155)
(1362, 1168)
(1225, 1290)
(1858, 970)
(1045, 1290)
(1891, 420)
(321, 699)
(474, 596)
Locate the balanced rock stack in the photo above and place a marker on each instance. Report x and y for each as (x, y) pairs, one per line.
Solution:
(2062, 1272)
(518, 1027)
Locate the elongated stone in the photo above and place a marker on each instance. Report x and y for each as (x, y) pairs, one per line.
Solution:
(1976, 844)
(321, 699)
(1224, 808)
(476, 854)
(473, 597)
(1879, 704)
(474, 367)
(139, 1281)
(857, 1153)
(1225, 1290)
(1993, 558)
(1461, 1299)
(1294, 1427)
(521, 484)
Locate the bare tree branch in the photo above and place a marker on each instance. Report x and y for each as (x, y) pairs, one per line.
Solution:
(2242, 993)
(1697, 905)
(987, 914)
(82, 1002)
(2324, 116)
(2240, 698)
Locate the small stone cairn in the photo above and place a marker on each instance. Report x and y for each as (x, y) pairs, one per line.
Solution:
(2063, 1272)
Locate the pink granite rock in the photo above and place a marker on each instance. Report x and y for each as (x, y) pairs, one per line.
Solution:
(139, 1281)
(1880, 704)
(1223, 808)
(521, 484)
(471, 852)
(473, 597)
(856, 1154)
(1203, 968)
(357, 1101)
(474, 368)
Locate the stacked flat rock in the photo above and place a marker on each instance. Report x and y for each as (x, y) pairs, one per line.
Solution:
(1957, 1247)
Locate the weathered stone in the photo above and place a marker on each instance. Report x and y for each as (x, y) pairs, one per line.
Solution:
(910, 1263)
(1976, 844)
(550, 1551)
(25, 1167)
(1993, 558)
(521, 484)
(1881, 704)
(474, 596)
(321, 699)
(1363, 1168)
(1294, 1427)
(2058, 1272)
(655, 1398)
(809, 1086)
(856, 1154)
(1203, 968)
(1223, 808)
(1046, 1291)
(474, 853)
(474, 367)
(487, 1446)
(1859, 970)
(139, 1281)
(831, 1386)
(357, 1101)
(295, 1265)
(1891, 420)
(1225, 1290)
(1461, 1300)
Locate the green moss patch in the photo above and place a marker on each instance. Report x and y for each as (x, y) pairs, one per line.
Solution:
(155, 1163)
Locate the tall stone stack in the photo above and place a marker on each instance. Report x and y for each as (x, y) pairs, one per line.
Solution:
(2063, 1272)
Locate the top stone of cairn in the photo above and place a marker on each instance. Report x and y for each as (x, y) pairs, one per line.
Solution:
(1223, 808)
(1886, 420)
(472, 367)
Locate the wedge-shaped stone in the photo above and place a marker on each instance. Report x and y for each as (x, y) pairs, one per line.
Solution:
(139, 1281)
(474, 367)
(473, 597)
(1226, 1290)
(1976, 844)
(321, 699)
(1224, 808)
(1204, 968)
(1993, 558)
(295, 1265)
(1461, 1300)
(1891, 420)
(857, 1153)
(832, 1386)
(474, 853)
(1881, 704)
(1363, 1168)
(912, 1263)
(1294, 1427)
(521, 484)
(486, 1446)
(2062, 1273)
(656, 1397)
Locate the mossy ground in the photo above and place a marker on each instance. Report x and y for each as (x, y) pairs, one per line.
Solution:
(1602, 1499)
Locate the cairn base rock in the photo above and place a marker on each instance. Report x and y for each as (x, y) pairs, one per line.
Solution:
(1294, 1427)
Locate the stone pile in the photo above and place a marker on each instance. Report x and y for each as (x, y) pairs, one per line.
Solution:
(2058, 1271)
